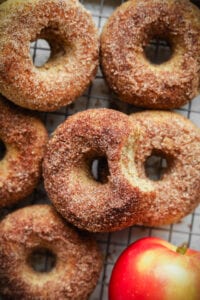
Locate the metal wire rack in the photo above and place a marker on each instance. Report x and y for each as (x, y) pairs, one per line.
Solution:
(96, 96)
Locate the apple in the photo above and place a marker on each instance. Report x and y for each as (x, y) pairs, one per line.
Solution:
(153, 269)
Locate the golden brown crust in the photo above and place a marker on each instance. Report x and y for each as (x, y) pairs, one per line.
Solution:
(128, 197)
(125, 66)
(65, 77)
(78, 259)
(25, 138)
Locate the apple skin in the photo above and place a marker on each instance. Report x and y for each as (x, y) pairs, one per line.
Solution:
(152, 269)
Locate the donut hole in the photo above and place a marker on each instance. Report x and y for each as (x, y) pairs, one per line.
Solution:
(42, 260)
(99, 169)
(158, 50)
(156, 165)
(2, 150)
(49, 48)
(41, 52)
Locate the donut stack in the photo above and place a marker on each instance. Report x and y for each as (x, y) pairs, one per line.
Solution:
(122, 195)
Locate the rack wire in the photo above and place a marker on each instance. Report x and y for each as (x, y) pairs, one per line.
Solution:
(96, 96)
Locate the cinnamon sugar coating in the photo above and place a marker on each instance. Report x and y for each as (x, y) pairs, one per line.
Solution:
(127, 70)
(83, 201)
(73, 38)
(127, 197)
(177, 139)
(78, 259)
(24, 138)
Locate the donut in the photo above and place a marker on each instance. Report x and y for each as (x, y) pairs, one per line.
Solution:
(128, 71)
(128, 196)
(78, 260)
(23, 139)
(73, 38)
(175, 138)
(83, 201)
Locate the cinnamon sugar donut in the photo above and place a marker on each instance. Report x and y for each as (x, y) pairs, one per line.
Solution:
(73, 38)
(128, 71)
(23, 140)
(87, 203)
(177, 139)
(77, 265)
(128, 196)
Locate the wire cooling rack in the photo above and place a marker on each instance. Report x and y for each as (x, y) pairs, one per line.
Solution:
(96, 96)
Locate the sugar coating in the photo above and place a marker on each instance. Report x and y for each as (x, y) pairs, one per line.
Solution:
(73, 38)
(128, 72)
(78, 259)
(25, 139)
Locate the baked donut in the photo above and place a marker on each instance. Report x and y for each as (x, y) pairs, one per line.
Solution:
(128, 196)
(176, 139)
(23, 140)
(128, 71)
(77, 258)
(75, 144)
(73, 39)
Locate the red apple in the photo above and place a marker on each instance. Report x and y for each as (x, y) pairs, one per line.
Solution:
(153, 269)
